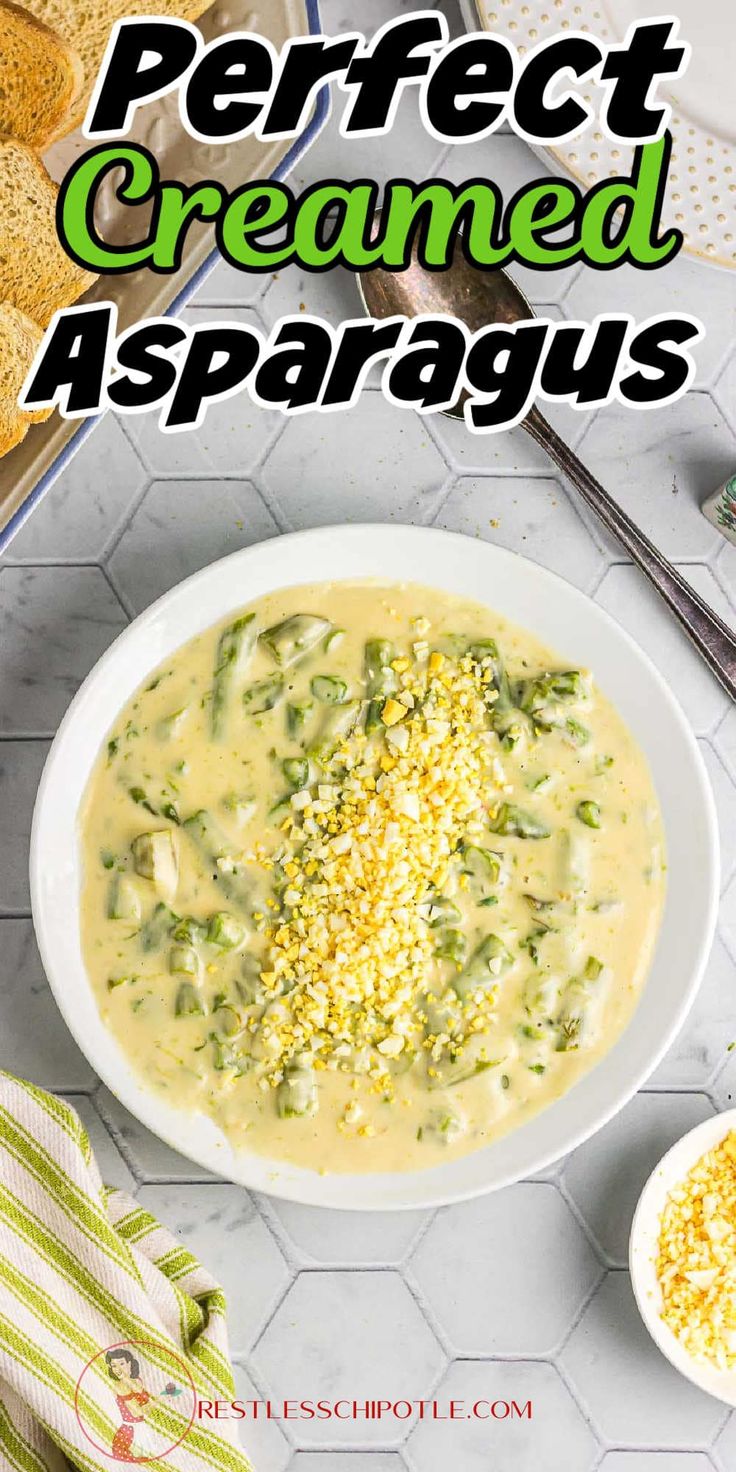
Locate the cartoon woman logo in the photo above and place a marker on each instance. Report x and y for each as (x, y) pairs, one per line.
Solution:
(153, 1395)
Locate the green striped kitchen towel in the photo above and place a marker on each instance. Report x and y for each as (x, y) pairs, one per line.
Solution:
(113, 1344)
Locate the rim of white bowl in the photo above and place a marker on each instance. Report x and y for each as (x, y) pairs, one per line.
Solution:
(579, 1113)
(669, 1172)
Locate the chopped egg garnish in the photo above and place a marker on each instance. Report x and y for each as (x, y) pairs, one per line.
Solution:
(696, 1264)
(355, 951)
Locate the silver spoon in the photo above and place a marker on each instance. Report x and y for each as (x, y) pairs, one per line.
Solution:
(480, 298)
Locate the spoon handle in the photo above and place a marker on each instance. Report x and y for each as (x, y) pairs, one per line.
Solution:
(710, 635)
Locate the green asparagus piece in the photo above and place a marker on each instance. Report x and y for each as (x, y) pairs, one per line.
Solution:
(171, 726)
(242, 808)
(481, 863)
(297, 715)
(442, 912)
(558, 687)
(248, 985)
(575, 861)
(511, 821)
(574, 1008)
(225, 931)
(296, 636)
(589, 813)
(296, 1096)
(189, 932)
(296, 771)
(380, 678)
(212, 843)
(188, 1001)
(451, 946)
(489, 961)
(160, 924)
(264, 695)
(234, 653)
(113, 982)
(139, 796)
(183, 959)
(328, 689)
(502, 709)
(457, 1070)
(338, 722)
(155, 858)
(442, 1125)
(574, 733)
(123, 902)
(203, 829)
(226, 1059)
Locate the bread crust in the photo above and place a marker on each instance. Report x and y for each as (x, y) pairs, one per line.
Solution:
(39, 98)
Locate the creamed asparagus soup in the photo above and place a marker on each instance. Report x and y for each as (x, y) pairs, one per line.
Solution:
(370, 876)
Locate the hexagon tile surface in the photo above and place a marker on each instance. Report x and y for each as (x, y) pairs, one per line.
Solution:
(522, 1296)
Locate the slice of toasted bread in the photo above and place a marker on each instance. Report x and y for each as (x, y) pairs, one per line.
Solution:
(41, 77)
(19, 339)
(86, 25)
(36, 275)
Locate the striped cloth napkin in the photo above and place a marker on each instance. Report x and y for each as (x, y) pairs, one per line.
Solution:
(112, 1336)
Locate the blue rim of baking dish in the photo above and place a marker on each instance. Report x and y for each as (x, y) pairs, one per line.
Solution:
(288, 162)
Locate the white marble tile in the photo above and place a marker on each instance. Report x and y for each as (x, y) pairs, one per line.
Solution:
(347, 1237)
(724, 1088)
(534, 517)
(625, 593)
(87, 502)
(480, 1269)
(725, 385)
(371, 463)
(699, 1049)
(728, 917)
(555, 1439)
(234, 435)
(220, 1224)
(725, 1446)
(683, 287)
(56, 623)
(724, 741)
(656, 1462)
(509, 451)
(606, 1175)
(659, 464)
(633, 1394)
(20, 771)
(150, 1158)
(353, 1335)
(724, 792)
(35, 1042)
(330, 295)
(113, 1168)
(725, 566)
(226, 286)
(189, 523)
(347, 1462)
(262, 1439)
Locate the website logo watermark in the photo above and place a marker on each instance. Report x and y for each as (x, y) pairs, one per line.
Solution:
(136, 1401)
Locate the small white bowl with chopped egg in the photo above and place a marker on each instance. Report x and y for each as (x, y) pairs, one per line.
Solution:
(677, 1255)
